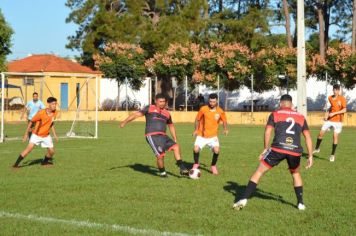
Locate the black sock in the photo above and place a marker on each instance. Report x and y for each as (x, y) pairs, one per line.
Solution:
(161, 170)
(180, 164)
(318, 142)
(334, 149)
(29, 135)
(196, 157)
(214, 159)
(46, 159)
(299, 193)
(19, 159)
(251, 186)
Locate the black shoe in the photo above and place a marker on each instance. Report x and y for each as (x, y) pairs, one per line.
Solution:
(47, 163)
(184, 171)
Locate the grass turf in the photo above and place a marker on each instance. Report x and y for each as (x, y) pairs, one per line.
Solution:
(113, 180)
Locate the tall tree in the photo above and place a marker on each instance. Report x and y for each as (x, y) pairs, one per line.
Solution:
(287, 24)
(353, 44)
(5, 41)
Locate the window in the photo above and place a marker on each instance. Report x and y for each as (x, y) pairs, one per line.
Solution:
(27, 81)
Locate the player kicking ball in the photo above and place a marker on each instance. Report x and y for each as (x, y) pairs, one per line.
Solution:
(288, 126)
(333, 119)
(206, 131)
(44, 123)
(157, 119)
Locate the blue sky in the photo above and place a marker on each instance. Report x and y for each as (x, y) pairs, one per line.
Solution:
(39, 27)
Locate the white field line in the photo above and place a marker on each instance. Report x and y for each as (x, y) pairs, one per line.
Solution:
(88, 224)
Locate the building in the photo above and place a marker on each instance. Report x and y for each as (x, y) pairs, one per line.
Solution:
(49, 75)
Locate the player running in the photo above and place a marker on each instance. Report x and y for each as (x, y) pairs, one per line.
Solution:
(288, 125)
(44, 122)
(206, 131)
(31, 108)
(333, 119)
(157, 119)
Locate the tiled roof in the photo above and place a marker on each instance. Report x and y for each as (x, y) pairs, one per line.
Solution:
(48, 63)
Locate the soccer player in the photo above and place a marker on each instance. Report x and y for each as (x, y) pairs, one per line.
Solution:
(157, 119)
(31, 108)
(333, 119)
(288, 125)
(206, 131)
(41, 133)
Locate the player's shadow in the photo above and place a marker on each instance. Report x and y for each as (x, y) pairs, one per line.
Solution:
(305, 155)
(32, 162)
(238, 190)
(146, 169)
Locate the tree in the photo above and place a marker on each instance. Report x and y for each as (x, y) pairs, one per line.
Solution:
(353, 43)
(5, 41)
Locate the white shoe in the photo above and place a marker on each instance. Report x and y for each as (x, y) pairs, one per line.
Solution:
(240, 204)
(316, 150)
(332, 158)
(301, 206)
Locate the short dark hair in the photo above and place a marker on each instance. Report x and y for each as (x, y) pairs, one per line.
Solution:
(286, 97)
(51, 99)
(336, 86)
(213, 96)
(161, 96)
(35, 93)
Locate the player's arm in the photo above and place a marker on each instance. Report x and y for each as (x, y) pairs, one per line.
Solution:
(309, 144)
(28, 129)
(197, 122)
(130, 118)
(267, 137)
(338, 112)
(172, 129)
(54, 133)
(24, 111)
(224, 120)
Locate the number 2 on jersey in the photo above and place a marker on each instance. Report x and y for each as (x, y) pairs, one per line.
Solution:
(289, 129)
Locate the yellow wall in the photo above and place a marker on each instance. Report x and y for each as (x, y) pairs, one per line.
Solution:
(52, 87)
(260, 118)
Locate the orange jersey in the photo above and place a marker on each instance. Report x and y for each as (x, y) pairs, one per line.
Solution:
(209, 121)
(43, 122)
(337, 104)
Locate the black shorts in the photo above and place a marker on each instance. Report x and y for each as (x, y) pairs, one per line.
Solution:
(272, 158)
(160, 144)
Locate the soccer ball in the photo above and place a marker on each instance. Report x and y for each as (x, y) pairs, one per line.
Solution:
(194, 174)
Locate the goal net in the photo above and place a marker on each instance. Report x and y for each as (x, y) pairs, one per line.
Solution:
(77, 96)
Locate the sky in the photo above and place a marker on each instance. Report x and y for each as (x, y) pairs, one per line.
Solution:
(39, 27)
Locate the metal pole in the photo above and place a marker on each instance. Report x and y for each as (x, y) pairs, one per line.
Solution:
(287, 78)
(301, 68)
(127, 100)
(252, 96)
(96, 106)
(2, 107)
(149, 91)
(186, 93)
(326, 91)
(218, 90)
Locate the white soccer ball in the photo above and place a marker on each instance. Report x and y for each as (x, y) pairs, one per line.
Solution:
(194, 174)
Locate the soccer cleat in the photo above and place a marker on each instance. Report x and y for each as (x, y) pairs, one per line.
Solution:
(214, 170)
(301, 206)
(240, 204)
(47, 163)
(332, 158)
(195, 166)
(163, 174)
(316, 150)
(184, 171)
(15, 167)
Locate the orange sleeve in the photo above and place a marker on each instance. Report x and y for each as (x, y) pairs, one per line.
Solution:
(343, 102)
(223, 116)
(37, 117)
(200, 114)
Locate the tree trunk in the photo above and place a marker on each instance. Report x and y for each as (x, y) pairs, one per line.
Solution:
(354, 28)
(287, 17)
(321, 32)
(118, 97)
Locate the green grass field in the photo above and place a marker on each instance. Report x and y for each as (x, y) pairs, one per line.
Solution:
(111, 184)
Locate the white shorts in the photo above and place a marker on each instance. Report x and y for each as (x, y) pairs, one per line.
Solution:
(210, 142)
(46, 142)
(337, 126)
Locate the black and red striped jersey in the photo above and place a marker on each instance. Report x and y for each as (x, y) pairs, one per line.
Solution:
(288, 126)
(156, 120)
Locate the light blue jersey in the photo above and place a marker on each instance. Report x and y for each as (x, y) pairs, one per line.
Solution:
(33, 108)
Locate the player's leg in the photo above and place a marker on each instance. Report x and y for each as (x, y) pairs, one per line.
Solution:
(335, 142)
(319, 139)
(23, 154)
(160, 165)
(48, 158)
(156, 146)
(215, 148)
(293, 164)
(198, 146)
(172, 146)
